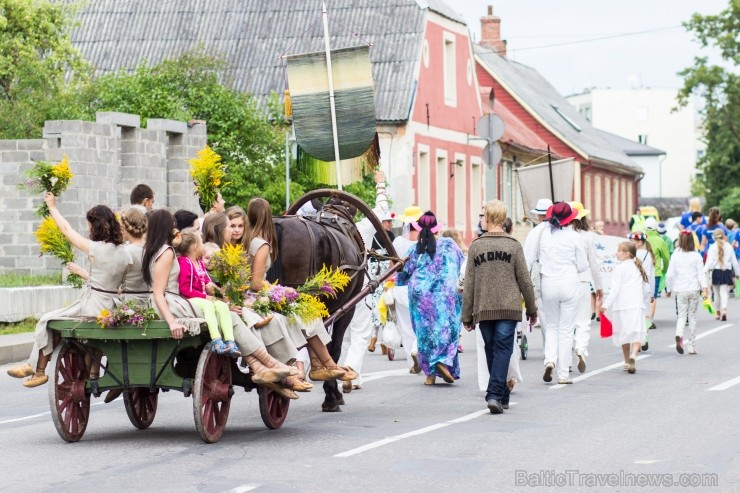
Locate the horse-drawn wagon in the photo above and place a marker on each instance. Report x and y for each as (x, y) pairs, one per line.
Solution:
(141, 362)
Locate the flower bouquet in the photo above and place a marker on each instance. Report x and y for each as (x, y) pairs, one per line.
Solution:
(127, 313)
(46, 177)
(52, 241)
(230, 269)
(303, 302)
(208, 172)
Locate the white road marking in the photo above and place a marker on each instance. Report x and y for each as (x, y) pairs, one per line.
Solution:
(704, 334)
(726, 385)
(376, 375)
(33, 416)
(243, 488)
(596, 372)
(647, 461)
(409, 434)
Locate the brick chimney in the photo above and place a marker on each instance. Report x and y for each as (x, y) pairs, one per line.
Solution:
(490, 33)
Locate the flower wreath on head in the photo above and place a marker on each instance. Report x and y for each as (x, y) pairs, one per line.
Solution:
(208, 172)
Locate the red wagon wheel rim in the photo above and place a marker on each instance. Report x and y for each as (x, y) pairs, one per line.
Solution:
(212, 395)
(69, 401)
(273, 408)
(141, 406)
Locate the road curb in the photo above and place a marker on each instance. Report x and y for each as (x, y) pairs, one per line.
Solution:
(15, 348)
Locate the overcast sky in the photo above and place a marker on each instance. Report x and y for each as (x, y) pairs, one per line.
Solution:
(650, 60)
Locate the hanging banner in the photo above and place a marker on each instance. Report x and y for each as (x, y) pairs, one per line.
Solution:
(534, 182)
(308, 80)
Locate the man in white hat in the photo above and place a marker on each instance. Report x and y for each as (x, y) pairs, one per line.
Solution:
(532, 254)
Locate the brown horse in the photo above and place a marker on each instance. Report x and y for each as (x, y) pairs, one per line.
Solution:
(307, 243)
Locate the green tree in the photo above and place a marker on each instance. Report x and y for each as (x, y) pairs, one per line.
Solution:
(36, 55)
(718, 87)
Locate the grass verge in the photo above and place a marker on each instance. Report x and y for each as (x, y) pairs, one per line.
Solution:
(10, 280)
(27, 325)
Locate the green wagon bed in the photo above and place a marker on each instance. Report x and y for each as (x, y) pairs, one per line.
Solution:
(141, 362)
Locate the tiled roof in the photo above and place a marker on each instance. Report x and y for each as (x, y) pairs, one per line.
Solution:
(552, 108)
(252, 35)
(629, 147)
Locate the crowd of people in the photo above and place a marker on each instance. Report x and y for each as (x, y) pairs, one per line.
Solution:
(496, 285)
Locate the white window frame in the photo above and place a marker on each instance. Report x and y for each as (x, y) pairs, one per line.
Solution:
(598, 203)
(423, 177)
(460, 219)
(449, 67)
(608, 198)
(442, 181)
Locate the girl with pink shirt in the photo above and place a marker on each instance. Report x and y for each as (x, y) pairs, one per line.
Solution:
(197, 287)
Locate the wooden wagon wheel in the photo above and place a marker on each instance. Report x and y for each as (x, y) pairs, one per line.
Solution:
(68, 400)
(212, 393)
(141, 406)
(273, 407)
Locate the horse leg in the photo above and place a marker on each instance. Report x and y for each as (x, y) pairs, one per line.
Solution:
(333, 397)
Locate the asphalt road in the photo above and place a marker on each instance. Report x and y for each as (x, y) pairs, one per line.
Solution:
(671, 421)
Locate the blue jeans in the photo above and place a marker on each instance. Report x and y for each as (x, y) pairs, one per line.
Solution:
(498, 336)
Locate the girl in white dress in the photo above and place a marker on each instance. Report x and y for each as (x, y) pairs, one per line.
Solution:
(625, 303)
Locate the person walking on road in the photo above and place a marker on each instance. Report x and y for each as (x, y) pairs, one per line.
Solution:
(685, 277)
(647, 260)
(722, 265)
(496, 280)
(532, 254)
(625, 303)
(661, 256)
(563, 259)
(403, 245)
(431, 274)
(590, 281)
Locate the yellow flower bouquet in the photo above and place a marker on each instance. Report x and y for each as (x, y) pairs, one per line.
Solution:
(52, 241)
(230, 269)
(47, 177)
(208, 172)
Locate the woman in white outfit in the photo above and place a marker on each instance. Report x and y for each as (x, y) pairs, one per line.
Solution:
(723, 268)
(563, 258)
(590, 277)
(403, 245)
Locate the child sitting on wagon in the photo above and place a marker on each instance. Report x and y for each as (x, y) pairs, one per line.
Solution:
(196, 286)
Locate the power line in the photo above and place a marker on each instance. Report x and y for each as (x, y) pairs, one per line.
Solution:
(613, 36)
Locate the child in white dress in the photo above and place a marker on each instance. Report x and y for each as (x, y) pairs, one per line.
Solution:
(625, 303)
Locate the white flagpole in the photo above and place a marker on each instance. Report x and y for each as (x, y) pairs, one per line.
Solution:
(331, 97)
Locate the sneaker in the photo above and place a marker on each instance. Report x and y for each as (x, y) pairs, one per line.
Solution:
(645, 346)
(564, 381)
(505, 406)
(593, 315)
(626, 367)
(679, 344)
(692, 350)
(547, 377)
(218, 346)
(232, 349)
(495, 406)
(631, 368)
(652, 326)
(581, 363)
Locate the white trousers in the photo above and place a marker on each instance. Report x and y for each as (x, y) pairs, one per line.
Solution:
(403, 321)
(356, 339)
(583, 319)
(687, 302)
(721, 295)
(560, 299)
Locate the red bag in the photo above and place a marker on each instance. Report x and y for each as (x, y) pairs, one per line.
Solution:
(606, 326)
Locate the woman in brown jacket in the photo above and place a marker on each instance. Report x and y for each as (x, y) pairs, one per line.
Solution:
(496, 279)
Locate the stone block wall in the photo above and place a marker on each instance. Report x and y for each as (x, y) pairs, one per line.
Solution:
(108, 157)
